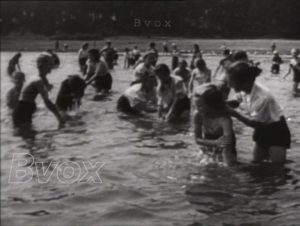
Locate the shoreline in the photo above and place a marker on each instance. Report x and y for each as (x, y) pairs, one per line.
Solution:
(121, 42)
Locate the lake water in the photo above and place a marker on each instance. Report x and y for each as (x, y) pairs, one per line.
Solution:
(152, 173)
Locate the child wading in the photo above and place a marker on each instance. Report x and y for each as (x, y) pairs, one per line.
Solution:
(14, 64)
(97, 71)
(212, 123)
(276, 61)
(26, 107)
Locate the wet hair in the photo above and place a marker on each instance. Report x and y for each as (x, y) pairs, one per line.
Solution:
(239, 55)
(95, 53)
(18, 76)
(183, 62)
(162, 69)
(152, 44)
(212, 95)
(45, 58)
(196, 47)
(242, 71)
(200, 63)
(55, 57)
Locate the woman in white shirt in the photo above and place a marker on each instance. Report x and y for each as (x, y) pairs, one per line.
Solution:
(171, 94)
(271, 133)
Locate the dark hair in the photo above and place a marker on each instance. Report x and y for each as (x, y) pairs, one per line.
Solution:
(56, 59)
(213, 97)
(200, 63)
(152, 44)
(162, 69)
(226, 52)
(95, 53)
(77, 84)
(241, 71)
(239, 55)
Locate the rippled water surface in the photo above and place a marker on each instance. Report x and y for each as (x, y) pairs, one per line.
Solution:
(152, 173)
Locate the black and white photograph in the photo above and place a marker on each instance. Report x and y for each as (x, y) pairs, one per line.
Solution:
(150, 113)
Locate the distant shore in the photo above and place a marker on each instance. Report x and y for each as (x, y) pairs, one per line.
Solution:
(121, 42)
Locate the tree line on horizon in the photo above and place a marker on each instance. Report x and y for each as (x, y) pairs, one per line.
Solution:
(188, 18)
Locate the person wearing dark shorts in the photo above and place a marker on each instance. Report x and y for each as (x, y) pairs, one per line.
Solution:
(295, 68)
(271, 133)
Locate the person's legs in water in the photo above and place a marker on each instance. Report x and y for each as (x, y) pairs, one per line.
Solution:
(277, 154)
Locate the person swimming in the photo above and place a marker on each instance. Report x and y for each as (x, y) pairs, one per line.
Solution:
(26, 107)
(212, 123)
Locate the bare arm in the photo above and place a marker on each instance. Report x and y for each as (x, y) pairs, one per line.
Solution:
(289, 71)
(43, 92)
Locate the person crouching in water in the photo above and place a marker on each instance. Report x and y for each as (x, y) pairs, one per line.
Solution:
(139, 97)
(12, 97)
(271, 133)
(26, 107)
(97, 71)
(172, 97)
(212, 124)
(70, 93)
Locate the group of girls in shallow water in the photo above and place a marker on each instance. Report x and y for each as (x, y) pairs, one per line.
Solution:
(171, 94)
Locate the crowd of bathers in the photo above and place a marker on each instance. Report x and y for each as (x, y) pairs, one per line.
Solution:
(180, 91)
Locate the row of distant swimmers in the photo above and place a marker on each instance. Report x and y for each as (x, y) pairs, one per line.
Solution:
(156, 89)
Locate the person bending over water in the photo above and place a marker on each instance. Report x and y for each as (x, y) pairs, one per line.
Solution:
(271, 133)
(26, 107)
(139, 97)
(12, 97)
(295, 67)
(171, 94)
(212, 123)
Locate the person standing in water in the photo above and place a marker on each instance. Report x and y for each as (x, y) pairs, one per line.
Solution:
(110, 55)
(26, 107)
(83, 56)
(175, 56)
(183, 72)
(172, 97)
(295, 68)
(212, 123)
(196, 55)
(276, 61)
(271, 133)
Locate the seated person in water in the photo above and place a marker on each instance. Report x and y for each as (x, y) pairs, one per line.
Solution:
(276, 61)
(172, 97)
(139, 97)
(183, 72)
(212, 123)
(26, 107)
(70, 93)
(12, 97)
(97, 72)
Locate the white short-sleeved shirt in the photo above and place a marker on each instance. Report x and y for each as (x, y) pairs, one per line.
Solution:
(294, 62)
(134, 95)
(141, 70)
(261, 105)
(166, 97)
